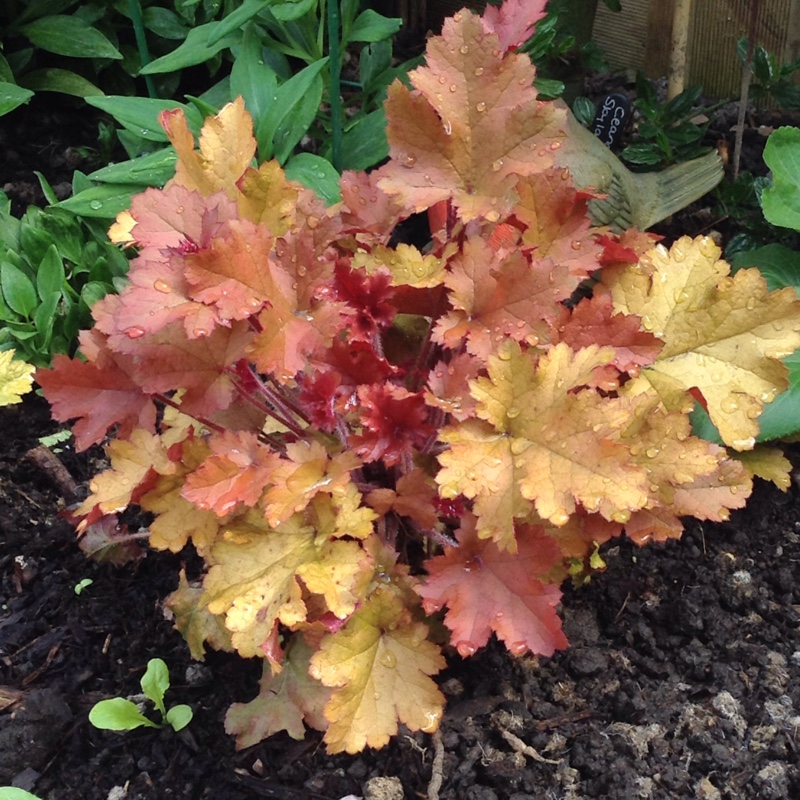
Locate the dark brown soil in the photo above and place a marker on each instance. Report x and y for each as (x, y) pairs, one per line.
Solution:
(681, 681)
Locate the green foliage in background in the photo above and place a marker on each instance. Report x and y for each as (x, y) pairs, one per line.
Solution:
(53, 268)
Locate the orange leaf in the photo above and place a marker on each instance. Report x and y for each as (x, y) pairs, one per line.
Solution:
(487, 589)
(471, 125)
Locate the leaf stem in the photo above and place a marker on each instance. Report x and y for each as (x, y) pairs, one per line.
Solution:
(335, 67)
(135, 9)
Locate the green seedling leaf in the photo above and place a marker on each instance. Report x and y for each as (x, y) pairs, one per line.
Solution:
(12, 96)
(12, 793)
(315, 173)
(781, 202)
(83, 584)
(69, 36)
(118, 714)
(155, 683)
(179, 716)
(53, 439)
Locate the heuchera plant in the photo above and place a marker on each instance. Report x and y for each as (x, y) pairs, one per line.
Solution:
(356, 433)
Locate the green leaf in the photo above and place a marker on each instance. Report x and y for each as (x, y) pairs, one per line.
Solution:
(102, 202)
(154, 169)
(93, 292)
(47, 189)
(315, 173)
(44, 319)
(549, 88)
(118, 714)
(63, 81)
(140, 114)
(194, 50)
(251, 78)
(18, 291)
(292, 9)
(236, 19)
(165, 23)
(643, 154)
(370, 26)
(584, 110)
(69, 36)
(781, 202)
(179, 716)
(364, 143)
(12, 96)
(289, 117)
(12, 793)
(155, 683)
(779, 265)
(50, 276)
(6, 73)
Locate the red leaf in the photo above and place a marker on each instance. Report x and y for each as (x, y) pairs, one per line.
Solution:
(99, 395)
(394, 423)
(514, 22)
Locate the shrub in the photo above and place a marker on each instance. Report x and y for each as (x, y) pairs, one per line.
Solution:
(356, 432)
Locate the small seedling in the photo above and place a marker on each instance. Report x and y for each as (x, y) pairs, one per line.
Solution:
(12, 793)
(54, 439)
(81, 585)
(121, 714)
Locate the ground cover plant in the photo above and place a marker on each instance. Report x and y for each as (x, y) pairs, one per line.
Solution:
(356, 433)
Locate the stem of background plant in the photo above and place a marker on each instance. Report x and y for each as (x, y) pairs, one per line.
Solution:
(335, 67)
(135, 10)
(676, 82)
(747, 75)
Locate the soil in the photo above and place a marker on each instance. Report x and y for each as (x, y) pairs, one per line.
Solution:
(682, 680)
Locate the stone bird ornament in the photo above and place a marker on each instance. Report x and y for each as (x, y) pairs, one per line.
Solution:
(630, 199)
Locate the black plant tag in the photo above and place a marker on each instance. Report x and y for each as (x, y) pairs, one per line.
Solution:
(612, 118)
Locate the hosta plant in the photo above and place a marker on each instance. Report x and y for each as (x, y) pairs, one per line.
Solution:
(362, 436)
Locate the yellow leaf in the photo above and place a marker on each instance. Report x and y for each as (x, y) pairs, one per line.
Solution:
(254, 580)
(131, 460)
(769, 463)
(193, 620)
(227, 147)
(379, 666)
(177, 519)
(554, 443)
(408, 267)
(723, 335)
(481, 464)
(16, 378)
(268, 198)
(308, 471)
(342, 515)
